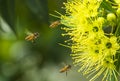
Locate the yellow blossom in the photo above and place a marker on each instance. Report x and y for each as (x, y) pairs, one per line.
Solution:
(93, 49)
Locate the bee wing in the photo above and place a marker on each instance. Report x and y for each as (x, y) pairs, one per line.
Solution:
(64, 63)
(27, 32)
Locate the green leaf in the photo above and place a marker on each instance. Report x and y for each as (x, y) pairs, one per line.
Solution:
(7, 12)
(117, 32)
(107, 6)
(39, 8)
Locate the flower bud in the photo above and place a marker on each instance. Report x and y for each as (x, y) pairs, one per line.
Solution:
(101, 20)
(118, 12)
(111, 17)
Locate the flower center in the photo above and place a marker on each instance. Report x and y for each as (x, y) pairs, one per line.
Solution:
(96, 51)
(95, 29)
(108, 45)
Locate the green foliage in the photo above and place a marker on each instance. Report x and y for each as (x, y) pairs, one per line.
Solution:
(20, 58)
(7, 12)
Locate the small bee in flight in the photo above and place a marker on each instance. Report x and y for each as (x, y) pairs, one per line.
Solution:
(55, 24)
(65, 69)
(32, 36)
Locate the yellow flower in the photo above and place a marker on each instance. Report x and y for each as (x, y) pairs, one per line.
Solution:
(93, 49)
(111, 46)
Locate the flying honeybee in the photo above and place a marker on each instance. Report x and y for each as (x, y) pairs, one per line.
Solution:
(65, 69)
(54, 24)
(32, 36)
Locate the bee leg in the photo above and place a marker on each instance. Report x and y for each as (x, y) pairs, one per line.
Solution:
(33, 41)
(66, 73)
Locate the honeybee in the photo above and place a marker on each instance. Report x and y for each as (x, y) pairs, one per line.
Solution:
(32, 36)
(54, 24)
(65, 69)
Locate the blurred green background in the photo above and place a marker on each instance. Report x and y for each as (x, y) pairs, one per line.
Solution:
(22, 60)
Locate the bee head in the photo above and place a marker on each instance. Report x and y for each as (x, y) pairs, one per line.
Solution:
(36, 34)
(69, 66)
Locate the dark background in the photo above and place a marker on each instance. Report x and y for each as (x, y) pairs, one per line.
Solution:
(22, 60)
